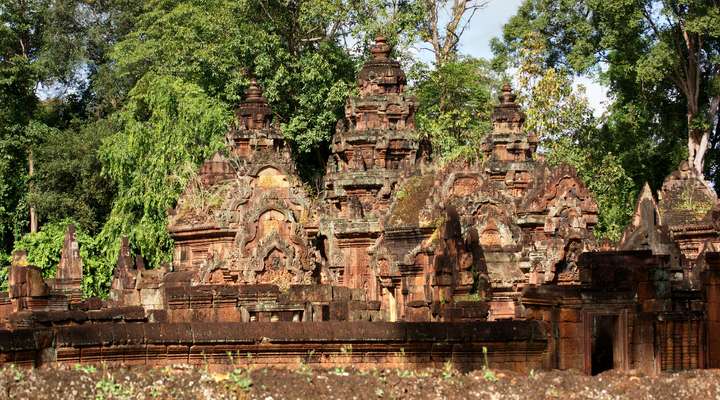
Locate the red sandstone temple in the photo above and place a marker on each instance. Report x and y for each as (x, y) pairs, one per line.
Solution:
(401, 260)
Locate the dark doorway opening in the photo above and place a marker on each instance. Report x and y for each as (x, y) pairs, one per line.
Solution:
(604, 341)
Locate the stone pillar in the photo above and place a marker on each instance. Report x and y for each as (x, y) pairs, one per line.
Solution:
(25, 282)
(123, 289)
(68, 278)
(711, 283)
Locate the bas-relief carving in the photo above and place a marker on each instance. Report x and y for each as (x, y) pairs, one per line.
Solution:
(251, 224)
(393, 236)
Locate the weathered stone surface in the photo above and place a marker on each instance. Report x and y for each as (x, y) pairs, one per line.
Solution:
(244, 221)
(70, 270)
(397, 254)
(26, 281)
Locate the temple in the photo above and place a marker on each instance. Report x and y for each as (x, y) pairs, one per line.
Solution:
(402, 260)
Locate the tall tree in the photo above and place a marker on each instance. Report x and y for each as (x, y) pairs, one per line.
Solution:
(167, 127)
(442, 32)
(455, 92)
(457, 125)
(559, 113)
(669, 47)
(294, 51)
(22, 24)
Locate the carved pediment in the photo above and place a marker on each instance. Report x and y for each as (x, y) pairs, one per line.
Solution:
(564, 200)
(645, 231)
(685, 197)
(495, 226)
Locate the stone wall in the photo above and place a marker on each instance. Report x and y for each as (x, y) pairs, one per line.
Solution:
(513, 345)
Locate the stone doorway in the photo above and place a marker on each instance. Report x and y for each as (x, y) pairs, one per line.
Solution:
(606, 342)
(390, 302)
(604, 337)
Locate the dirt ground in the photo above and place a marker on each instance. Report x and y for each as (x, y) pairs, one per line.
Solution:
(187, 382)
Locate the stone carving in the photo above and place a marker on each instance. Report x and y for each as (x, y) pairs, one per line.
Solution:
(392, 236)
(256, 198)
(70, 270)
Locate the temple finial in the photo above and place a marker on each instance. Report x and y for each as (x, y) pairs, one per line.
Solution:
(507, 96)
(380, 50)
(254, 93)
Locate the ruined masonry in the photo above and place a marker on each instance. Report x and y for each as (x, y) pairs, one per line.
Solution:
(398, 262)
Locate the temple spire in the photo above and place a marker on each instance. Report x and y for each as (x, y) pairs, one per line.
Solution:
(380, 50)
(380, 74)
(254, 112)
(507, 116)
(253, 129)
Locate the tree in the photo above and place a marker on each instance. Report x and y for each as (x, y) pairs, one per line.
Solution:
(668, 47)
(554, 108)
(455, 92)
(21, 29)
(293, 50)
(684, 47)
(444, 34)
(559, 113)
(67, 184)
(606, 179)
(456, 127)
(44, 45)
(167, 127)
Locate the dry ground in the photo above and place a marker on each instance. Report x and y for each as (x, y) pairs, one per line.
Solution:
(187, 382)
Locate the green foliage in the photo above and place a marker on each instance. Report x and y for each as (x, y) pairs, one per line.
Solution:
(239, 380)
(53, 43)
(613, 190)
(43, 250)
(448, 370)
(649, 53)
(86, 369)
(107, 388)
(43, 247)
(554, 107)
(488, 374)
(218, 44)
(67, 183)
(17, 103)
(166, 129)
(13, 190)
(560, 115)
(455, 106)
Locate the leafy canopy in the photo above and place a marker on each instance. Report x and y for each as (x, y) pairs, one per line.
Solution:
(455, 106)
(167, 127)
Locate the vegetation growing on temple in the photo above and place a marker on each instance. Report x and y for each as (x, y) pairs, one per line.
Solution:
(107, 109)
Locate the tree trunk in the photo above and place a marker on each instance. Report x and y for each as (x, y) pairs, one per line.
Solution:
(698, 139)
(697, 147)
(33, 214)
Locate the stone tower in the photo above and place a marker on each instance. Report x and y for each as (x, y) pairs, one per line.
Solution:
(508, 150)
(243, 221)
(372, 149)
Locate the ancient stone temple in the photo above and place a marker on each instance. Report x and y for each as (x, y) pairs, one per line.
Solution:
(399, 261)
(243, 220)
(463, 236)
(371, 151)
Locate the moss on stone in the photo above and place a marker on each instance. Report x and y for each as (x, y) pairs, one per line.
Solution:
(410, 199)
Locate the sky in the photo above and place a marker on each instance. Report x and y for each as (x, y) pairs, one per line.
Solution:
(488, 24)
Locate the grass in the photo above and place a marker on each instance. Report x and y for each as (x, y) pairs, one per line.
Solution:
(488, 373)
(107, 388)
(240, 380)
